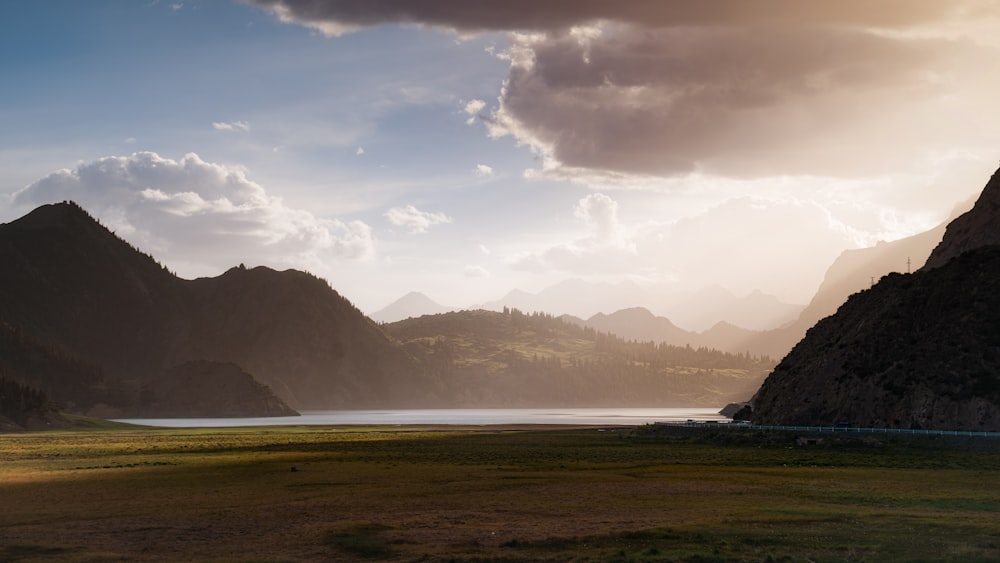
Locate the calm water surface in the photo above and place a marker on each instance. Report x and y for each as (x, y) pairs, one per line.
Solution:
(461, 417)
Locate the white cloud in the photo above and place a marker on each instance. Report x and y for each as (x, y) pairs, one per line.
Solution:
(204, 215)
(473, 107)
(483, 170)
(477, 272)
(742, 244)
(605, 247)
(360, 151)
(415, 220)
(231, 126)
(600, 213)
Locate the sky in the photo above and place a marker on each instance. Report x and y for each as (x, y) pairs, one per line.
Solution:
(465, 149)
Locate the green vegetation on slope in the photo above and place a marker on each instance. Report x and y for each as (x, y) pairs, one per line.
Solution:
(487, 358)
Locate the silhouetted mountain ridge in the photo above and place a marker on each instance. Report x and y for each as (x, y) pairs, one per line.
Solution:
(919, 350)
(79, 289)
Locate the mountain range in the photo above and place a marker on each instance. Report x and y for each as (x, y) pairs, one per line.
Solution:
(101, 328)
(511, 358)
(756, 323)
(96, 326)
(694, 310)
(75, 288)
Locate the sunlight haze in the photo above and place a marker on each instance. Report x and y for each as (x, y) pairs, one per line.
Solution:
(464, 150)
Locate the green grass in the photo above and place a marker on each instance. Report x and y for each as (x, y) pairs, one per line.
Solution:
(410, 494)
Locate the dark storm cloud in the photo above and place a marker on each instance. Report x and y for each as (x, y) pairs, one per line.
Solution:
(545, 15)
(742, 88)
(726, 100)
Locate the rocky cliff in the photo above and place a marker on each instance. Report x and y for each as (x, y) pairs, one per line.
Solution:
(975, 228)
(917, 350)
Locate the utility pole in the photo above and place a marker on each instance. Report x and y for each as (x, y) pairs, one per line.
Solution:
(907, 264)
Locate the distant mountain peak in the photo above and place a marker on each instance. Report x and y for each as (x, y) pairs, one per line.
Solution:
(413, 304)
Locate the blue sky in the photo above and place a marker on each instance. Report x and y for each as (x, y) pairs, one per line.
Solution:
(399, 146)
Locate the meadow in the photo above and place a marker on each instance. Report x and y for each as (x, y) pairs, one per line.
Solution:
(492, 494)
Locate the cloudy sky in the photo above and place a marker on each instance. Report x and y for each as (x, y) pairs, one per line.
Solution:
(464, 149)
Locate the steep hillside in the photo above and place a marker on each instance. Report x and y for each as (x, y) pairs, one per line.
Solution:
(920, 350)
(303, 339)
(24, 407)
(975, 228)
(511, 359)
(202, 388)
(76, 385)
(70, 284)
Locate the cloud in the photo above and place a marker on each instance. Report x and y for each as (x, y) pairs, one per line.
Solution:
(414, 219)
(473, 108)
(231, 126)
(360, 151)
(335, 17)
(199, 214)
(727, 88)
(603, 249)
(737, 101)
(600, 213)
(483, 170)
(477, 272)
(742, 244)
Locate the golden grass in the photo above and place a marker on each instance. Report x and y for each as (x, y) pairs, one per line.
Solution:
(490, 495)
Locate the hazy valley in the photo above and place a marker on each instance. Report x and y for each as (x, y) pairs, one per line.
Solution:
(100, 328)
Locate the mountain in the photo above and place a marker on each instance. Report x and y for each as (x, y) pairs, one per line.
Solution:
(710, 305)
(975, 228)
(512, 359)
(694, 311)
(639, 324)
(413, 304)
(22, 406)
(919, 350)
(200, 388)
(300, 337)
(69, 283)
(573, 297)
(853, 271)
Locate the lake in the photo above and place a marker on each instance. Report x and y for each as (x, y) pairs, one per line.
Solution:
(459, 417)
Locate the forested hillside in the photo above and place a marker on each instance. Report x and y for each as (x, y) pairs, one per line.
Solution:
(487, 358)
(23, 406)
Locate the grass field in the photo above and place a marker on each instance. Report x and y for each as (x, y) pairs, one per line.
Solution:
(491, 494)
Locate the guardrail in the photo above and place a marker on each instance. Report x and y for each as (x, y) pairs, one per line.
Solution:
(860, 430)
